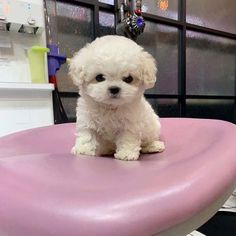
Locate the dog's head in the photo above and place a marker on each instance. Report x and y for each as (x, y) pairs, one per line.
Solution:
(113, 70)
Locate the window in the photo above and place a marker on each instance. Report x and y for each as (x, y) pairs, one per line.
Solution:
(194, 43)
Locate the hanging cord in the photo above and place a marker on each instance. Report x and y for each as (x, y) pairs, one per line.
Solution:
(131, 21)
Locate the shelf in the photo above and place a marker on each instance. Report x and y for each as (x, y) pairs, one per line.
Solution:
(26, 86)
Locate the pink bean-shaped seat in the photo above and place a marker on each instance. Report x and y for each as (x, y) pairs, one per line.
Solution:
(46, 191)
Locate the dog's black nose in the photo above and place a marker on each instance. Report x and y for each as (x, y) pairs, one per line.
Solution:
(114, 90)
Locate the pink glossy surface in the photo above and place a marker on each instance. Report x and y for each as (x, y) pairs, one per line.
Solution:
(44, 190)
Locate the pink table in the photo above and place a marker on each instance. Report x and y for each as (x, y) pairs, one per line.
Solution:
(44, 190)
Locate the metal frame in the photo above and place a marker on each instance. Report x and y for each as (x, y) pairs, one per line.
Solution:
(182, 26)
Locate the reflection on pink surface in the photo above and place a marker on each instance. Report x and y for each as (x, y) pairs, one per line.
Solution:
(44, 190)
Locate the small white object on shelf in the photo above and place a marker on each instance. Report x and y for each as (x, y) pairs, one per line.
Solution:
(196, 233)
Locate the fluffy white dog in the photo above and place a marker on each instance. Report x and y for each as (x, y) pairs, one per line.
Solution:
(113, 116)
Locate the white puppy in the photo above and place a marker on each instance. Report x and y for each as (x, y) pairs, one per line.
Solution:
(113, 116)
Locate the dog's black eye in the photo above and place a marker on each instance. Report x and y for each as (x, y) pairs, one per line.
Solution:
(100, 78)
(128, 79)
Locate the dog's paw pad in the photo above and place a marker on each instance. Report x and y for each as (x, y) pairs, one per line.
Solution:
(155, 146)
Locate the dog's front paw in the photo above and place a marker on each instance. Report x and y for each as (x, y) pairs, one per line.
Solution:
(83, 149)
(155, 146)
(127, 155)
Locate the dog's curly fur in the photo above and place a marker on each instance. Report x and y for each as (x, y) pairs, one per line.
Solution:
(123, 123)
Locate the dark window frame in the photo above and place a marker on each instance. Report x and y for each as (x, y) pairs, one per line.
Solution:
(182, 27)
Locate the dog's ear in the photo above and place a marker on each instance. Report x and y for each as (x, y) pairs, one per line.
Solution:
(149, 69)
(77, 67)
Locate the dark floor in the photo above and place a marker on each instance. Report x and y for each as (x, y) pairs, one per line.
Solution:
(222, 224)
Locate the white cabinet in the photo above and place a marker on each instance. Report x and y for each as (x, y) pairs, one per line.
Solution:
(24, 106)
